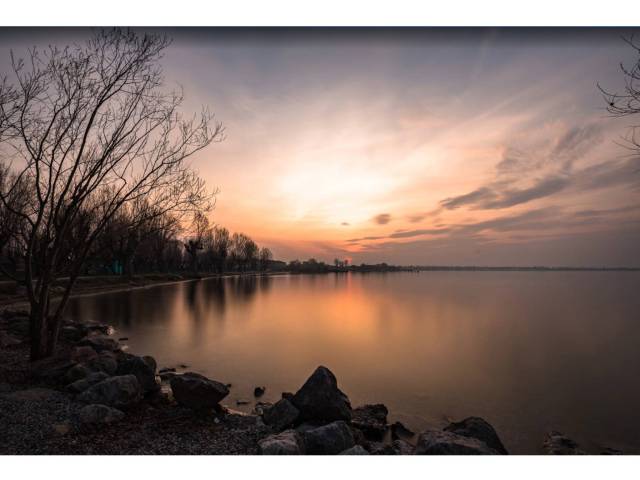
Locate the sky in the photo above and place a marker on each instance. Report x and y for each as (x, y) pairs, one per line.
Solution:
(411, 146)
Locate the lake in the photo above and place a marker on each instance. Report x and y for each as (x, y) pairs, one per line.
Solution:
(527, 351)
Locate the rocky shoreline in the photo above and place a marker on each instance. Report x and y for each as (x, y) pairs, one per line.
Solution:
(96, 398)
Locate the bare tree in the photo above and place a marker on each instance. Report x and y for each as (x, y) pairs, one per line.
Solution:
(627, 102)
(265, 257)
(195, 242)
(91, 129)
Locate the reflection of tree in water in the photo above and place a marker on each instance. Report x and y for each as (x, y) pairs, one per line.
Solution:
(125, 308)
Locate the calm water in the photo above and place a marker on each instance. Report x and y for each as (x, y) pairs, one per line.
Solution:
(528, 351)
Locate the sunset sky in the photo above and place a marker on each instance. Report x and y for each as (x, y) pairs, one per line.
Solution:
(460, 147)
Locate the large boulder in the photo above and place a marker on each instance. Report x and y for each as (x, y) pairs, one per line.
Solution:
(120, 391)
(100, 343)
(106, 362)
(144, 368)
(76, 372)
(81, 385)
(284, 443)
(83, 354)
(556, 443)
(476, 427)
(439, 442)
(400, 432)
(321, 400)
(96, 413)
(328, 439)
(281, 415)
(196, 391)
(371, 420)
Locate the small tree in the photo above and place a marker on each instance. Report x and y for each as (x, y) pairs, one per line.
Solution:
(89, 130)
(265, 257)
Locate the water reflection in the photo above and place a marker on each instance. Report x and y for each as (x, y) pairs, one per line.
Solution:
(529, 351)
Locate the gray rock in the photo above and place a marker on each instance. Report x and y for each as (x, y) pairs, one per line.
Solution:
(259, 391)
(400, 432)
(106, 362)
(144, 368)
(83, 354)
(402, 448)
(355, 450)
(196, 391)
(100, 343)
(371, 420)
(558, 444)
(320, 399)
(439, 442)
(281, 415)
(380, 448)
(284, 443)
(476, 427)
(98, 413)
(69, 332)
(81, 385)
(329, 439)
(120, 391)
(77, 372)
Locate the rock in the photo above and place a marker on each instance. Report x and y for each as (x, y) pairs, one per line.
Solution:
(196, 391)
(71, 333)
(241, 401)
(259, 391)
(320, 399)
(355, 450)
(281, 415)
(123, 339)
(400, 432)
(106, 362)
(144, 368)
(476, 427)
(81, 385)
(371, 420)
(8, 340)
(77, 372)
(400, 447)
(167, 376)
(151, 362)
(439, 442)
(260, 407)
(51, 369)
(170, 370)
(329, 439)
(83, 354)
(98, 413)
(100, 343)
(120, 391)
(183, 365)
(98, 328)
(284, 443)
(558, 444)
(380, 448)
(288, 396)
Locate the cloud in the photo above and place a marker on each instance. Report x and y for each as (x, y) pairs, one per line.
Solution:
(382, 218)
(546, 172)
(471, 198)
(345, 224)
